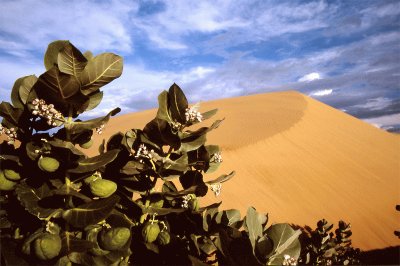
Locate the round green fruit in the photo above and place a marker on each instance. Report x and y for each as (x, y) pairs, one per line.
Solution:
(150, 232)
(163, 238)
(115, 238)
(103, 188)
(48, 164)
(92, 236)
(87, 145)
(6, 184)
(91, 178)
(47, 246)
(11, 174)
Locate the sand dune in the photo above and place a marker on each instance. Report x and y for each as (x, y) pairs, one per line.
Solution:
(300, 160)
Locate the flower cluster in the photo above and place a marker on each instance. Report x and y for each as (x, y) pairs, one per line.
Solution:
(289, 260)
(53, 117)
(216, 158)
(216, 188)
(10, 132)
(143, 152)
(185, 202)
(192, 114)
(99, 130)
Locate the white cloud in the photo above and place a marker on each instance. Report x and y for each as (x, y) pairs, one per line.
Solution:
(93, 25)
(310, 77)
(322, 92)
(375, 104)
(384, 121)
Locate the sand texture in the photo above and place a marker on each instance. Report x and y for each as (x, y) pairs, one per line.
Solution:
(300, 160)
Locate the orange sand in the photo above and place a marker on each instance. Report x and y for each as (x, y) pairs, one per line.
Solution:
(300, 160)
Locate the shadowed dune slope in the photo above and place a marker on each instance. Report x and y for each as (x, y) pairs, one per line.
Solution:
(300, 160)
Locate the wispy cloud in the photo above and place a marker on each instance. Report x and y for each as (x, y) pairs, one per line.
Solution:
(344, 53)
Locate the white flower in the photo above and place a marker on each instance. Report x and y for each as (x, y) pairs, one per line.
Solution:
(185, 202)
(192, 114)
(99, 130)
(143, 152)
(40, 108)
(216, 158)
(289, 260)
(216, 188)
(10, 133)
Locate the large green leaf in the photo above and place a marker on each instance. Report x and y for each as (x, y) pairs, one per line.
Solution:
(177, 103)
(10, 113)
(254, 226)
(180, 164)
(94, 101)
(101, 70)
(51, 55)
(21, 90)
(71, 61)
(90, 213)
(30, 198)
(59, 84)
(94, 163)
(191, 143)
(163, 110)
(285, 242)
(78, 127)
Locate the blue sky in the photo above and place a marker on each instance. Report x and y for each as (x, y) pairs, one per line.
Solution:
(343, 53)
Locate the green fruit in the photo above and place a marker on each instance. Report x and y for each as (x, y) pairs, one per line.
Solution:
(6, 184)
(163, 238)
(47, 246)
(86, 145)
(91, 178)
(11, 174)
(92, 237)
(115, 238)
(150, 232)
(103, 188)
(194, 204)
(48, 164)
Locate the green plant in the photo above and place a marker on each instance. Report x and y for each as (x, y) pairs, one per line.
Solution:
(121, 206)
(323, 247)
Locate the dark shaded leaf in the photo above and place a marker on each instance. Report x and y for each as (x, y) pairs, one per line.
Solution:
(169, 187)
(99, 71)
(51, 55)
(21, 89)
(163, 110)
(10, 113)
(180, 164)
(177, 103)
(94, 163)
(70, 60)
(90, 213)
(159, 131)
(132, 168)
(58, 84)
(30, 197)
(94, 101)
(190, 143)
(74, 244)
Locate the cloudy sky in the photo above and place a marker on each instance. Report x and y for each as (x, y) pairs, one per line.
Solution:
(344, 53)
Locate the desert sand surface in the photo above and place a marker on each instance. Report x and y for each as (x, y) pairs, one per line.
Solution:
(300, 160)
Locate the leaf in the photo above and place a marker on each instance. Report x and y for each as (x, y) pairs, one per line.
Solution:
(58, 84)
(10, 113)
(285, 242)
(190, 144)
(74, 244)
(230, 217)
(160, 132)
(180, 164)
(221, 179)
(70, 60)
(254, 227)
(94, 163)
(78, 127)
(177, 103)
(132, 168)
(100, 70)
(65, 145)
(163, 110)
(51, 55)
(90, 213)
(94, 101)
(21, 89)
(30, 197)
(209, 114)
(169, 187)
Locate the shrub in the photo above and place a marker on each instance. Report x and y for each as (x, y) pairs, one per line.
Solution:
(62, 207)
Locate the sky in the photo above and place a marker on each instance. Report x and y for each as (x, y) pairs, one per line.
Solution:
(343, 53)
